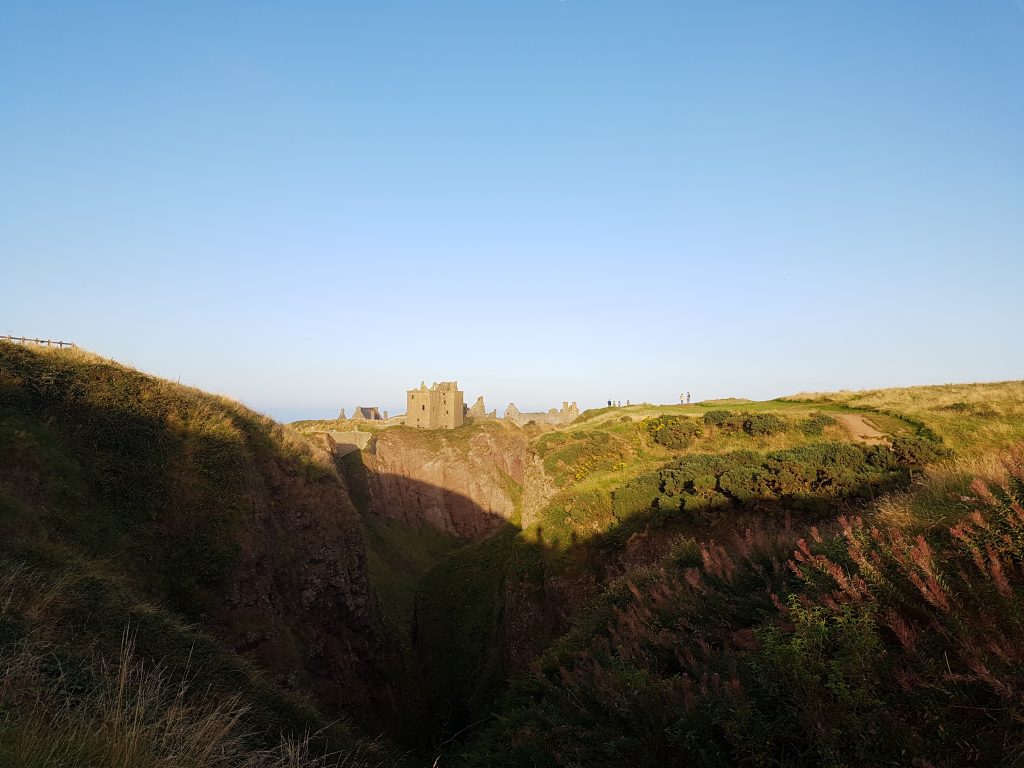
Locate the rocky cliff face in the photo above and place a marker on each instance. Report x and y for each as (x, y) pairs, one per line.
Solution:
(467, 483)
(298, 598)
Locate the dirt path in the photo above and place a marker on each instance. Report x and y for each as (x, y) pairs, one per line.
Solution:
(861, 430)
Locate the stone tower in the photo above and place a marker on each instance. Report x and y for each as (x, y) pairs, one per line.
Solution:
(439, 407)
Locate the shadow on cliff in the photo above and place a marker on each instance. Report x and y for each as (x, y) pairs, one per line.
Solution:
(441, 597)
(482, 611)
(199, 506)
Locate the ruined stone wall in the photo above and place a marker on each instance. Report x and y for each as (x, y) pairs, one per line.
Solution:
(555, 417)
(478, 412)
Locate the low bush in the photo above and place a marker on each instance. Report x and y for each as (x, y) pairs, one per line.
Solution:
(754, 424)
(917, 450)
(636, 496)
(673, 431)
(717, 418)
(813, 474)
(759, 424)
(816, 423)
(685, 552)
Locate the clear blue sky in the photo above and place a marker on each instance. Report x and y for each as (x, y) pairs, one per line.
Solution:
(315, 205)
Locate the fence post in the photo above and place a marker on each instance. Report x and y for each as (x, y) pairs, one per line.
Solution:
(25, 340)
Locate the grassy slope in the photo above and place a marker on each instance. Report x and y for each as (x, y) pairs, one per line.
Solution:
(606, 449)
(465, 630)
(311, 426)
(63, 628)
(123, 498)
(463, 601)
(978, 421)
(971, 417)
(605, 695)
(868, 647)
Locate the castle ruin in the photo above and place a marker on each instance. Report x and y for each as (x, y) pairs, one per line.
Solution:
(479, 411)
(439, 407)
(442, 406)
(554, 417)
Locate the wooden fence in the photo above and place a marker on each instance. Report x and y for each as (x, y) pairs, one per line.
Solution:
(38, 342)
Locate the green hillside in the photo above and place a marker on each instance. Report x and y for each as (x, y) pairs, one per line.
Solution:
(170, 554)
(749, 583)
(832, 579)
(626, 479)
(844, 643)
(694, 514)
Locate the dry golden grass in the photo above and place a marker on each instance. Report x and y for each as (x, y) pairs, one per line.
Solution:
(128, 715)
(57, 713)
(940, 497)
(979, 421)
(967, 416)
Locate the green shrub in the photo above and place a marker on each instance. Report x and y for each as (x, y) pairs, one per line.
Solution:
(882, 457)
(740, 483)
(636, 496)
(571, 456)
(758, 424)
(916, 450)
(815, 424)
(673, 431)
(703, 485)
(669, 503)
(717, 418)
(817, 475)
(957, 407)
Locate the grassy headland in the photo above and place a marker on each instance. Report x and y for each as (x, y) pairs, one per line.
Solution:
(722, 583)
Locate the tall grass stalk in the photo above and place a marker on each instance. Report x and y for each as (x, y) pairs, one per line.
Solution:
(129, 714)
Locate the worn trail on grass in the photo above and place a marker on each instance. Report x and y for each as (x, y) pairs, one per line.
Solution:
(861, 429)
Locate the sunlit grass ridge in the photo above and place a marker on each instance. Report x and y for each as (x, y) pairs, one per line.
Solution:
(969, 416)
